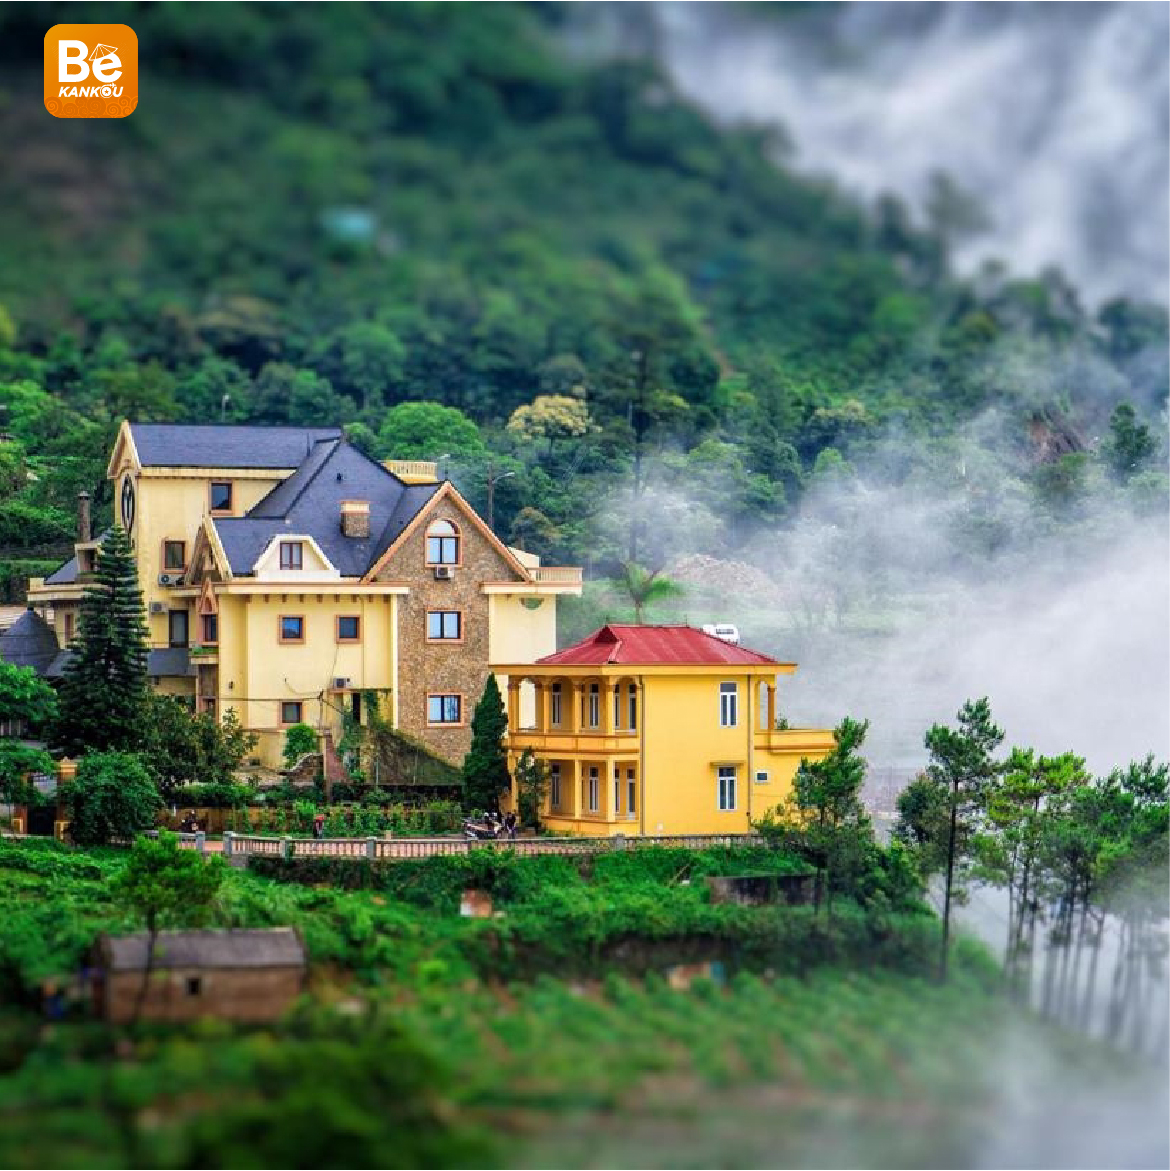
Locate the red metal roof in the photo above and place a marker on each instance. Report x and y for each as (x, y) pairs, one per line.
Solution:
(649, 646)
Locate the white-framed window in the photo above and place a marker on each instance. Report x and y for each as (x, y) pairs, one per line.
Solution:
(726, 788)
(761, 777)
(594, 790)
(292, 555)
(633, 707)
(554, 786)
(728, 705)
(554, 715)
(594, 705)
(617, 790)
(631, 793)
(442, 543)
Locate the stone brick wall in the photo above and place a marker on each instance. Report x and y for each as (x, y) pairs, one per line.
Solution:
(459, 668)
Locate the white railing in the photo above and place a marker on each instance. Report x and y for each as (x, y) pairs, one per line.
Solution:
(397, 849)
(557, 574)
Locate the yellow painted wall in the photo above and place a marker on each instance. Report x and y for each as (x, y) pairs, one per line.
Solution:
(257, 672)
(681, 745)
(172, 509)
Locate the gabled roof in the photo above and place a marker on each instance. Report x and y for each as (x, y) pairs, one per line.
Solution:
(308, 504)
(651, 646)
(29, 642)
(181, 445)
(64, 574)
(275, 947)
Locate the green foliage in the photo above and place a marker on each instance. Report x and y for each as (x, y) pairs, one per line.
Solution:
(427, 430)
(531, 787)
(299, 740)
(166, 886)
(485, 767)
(645, 587)
(19, 763)
(962, 767)
(103, 693)
(1130, 446)
(181, 747)
(823, 820)
(112, 796)
(25, 698)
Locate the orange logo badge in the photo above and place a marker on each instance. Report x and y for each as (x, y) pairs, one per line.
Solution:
(91, 70)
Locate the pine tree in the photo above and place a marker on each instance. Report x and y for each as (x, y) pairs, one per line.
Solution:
(485, 767)
(103, 692)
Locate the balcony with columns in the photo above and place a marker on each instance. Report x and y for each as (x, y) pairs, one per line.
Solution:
(591, 716)
(585, 730)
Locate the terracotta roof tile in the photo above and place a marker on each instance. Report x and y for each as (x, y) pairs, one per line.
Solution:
(655, 646)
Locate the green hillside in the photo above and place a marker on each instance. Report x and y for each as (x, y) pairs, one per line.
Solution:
(317, 214)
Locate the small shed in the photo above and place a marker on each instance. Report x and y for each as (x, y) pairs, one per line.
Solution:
(240, 975)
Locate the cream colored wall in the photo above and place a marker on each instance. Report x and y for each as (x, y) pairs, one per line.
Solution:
(314, 562)
(172, 508)
(517, 634)
(257, 672)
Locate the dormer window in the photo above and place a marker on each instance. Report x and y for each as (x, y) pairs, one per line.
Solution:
(442, 543)
(292, 554)
(221, 496)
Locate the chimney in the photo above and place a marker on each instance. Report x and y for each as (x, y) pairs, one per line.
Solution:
(84, 532)
(355, 518)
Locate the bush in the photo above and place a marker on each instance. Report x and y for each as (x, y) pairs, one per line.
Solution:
(113, 796)
(299, 740)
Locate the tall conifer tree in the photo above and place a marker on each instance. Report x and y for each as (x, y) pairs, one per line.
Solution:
(485, 767)
(104, 688)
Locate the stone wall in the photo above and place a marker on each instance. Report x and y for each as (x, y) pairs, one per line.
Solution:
(447, 668)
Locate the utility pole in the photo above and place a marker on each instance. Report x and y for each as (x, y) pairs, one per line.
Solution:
(492, 478)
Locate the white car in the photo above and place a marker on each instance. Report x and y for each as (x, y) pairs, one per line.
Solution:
(723, 630)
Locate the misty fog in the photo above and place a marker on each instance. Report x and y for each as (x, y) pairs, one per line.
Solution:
(901, 597)
(1053, 115)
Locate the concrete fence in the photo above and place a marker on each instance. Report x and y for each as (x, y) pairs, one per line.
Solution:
(238, 847)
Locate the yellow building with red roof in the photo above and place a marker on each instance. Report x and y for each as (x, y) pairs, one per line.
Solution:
(657, 730)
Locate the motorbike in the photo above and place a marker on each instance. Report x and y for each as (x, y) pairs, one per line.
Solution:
(475, 831)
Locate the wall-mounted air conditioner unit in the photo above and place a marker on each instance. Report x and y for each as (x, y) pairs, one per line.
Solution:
(444, 572)
(170, 579)
(340, 683)
(156, 607)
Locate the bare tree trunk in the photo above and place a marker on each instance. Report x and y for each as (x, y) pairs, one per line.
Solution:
(1073, 1009)
(1086, 1017)
(946, 931)
(148, 970)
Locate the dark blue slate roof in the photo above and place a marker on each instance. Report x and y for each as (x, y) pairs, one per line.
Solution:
(173, 660)
(180, 445)
(64, 574)
(29, 642)
(309, 503)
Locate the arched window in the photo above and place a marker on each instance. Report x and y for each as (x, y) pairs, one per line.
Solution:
(442, 543)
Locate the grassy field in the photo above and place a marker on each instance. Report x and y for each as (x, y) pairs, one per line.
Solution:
(432, 1040)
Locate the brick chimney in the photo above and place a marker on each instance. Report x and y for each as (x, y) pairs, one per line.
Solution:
(355, 518)
(84, 531)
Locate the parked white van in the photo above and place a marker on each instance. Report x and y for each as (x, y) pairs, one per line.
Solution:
(723, 630)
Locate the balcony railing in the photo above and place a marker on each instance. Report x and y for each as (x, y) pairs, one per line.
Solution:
(557, 574)
(422, 469)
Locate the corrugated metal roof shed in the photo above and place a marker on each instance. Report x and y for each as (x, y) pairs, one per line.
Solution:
(275, 947)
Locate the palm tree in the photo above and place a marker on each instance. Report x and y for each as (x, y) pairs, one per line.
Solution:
(645, 587)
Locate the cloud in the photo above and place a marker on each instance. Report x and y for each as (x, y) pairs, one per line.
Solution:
(1055, 116)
